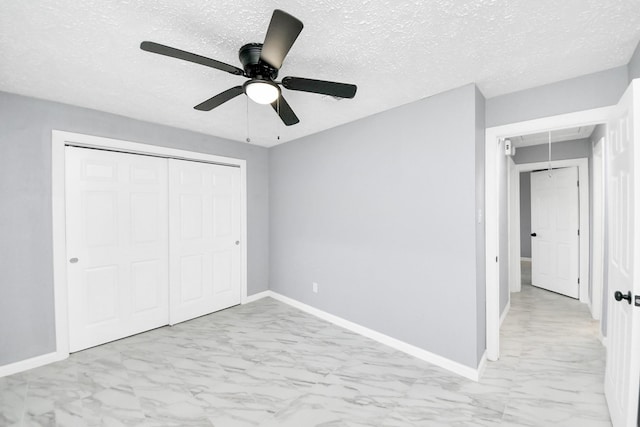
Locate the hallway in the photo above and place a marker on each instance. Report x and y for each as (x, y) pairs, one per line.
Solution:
(553, 359)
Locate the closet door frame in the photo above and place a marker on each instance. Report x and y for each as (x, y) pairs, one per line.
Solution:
(59, 140)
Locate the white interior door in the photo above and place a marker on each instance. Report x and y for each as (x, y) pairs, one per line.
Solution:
(622, 378)
(554, 229)
(117, 245)
(204, 215)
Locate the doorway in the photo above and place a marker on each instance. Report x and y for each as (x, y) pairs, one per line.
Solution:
(498, 219)
(555, 221)
(573, 147)
(579, 147)
(516, 239)
(621, 316)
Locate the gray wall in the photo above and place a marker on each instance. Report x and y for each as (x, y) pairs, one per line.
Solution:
(634, 64)
(576, 149)
(525, 214)
(581, 93)
(26, 293)
(26, 281)
(481, 295)
(379, 212)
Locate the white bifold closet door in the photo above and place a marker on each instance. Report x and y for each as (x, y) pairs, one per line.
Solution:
(150, 241)
(204, 235)
(117, 243)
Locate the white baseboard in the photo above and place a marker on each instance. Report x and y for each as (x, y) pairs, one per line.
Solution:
(443, 362)
(602, 338)
(34, 362)
(505, 312)
(482, 365)
(256, 297)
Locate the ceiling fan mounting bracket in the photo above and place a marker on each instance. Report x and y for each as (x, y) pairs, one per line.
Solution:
(254, 67)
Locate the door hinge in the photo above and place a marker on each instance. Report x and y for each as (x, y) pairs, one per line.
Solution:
(496, 259)
(578, 231)
(578, 183)
(578, 280)
(637, 304)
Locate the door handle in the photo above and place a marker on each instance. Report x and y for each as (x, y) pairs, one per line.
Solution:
(73, 260)
(534, 234)
(619, 296)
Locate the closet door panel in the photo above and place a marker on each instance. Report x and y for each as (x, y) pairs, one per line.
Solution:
(204, 215)
(117, 244)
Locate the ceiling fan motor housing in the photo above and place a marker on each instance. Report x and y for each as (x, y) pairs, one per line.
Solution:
(253, 67)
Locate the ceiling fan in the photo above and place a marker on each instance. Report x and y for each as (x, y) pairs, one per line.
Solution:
(261, 62)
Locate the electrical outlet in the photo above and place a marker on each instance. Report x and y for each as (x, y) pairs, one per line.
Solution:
(315, 287)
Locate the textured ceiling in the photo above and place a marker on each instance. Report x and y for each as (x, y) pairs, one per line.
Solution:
(87, 53)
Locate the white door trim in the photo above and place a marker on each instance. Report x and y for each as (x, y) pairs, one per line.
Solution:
(493, 136)
(59, 139)
(513, 185)
(583, 176)
(597, 262)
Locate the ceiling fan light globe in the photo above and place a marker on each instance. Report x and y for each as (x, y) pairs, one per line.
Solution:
(262, 92)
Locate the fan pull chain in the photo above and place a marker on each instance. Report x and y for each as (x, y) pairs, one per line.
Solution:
(549, 154)
(277, 123)
(248, 138)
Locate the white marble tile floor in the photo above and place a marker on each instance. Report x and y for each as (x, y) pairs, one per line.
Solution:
(268, 364)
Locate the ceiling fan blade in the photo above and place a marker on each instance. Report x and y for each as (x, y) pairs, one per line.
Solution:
(219, 99)
(282, 107)
(188, 56)
(341, 90)
(282, 33)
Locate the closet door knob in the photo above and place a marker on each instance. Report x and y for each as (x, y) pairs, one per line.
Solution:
(534, 234)
(237, 242)
(73, 260)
